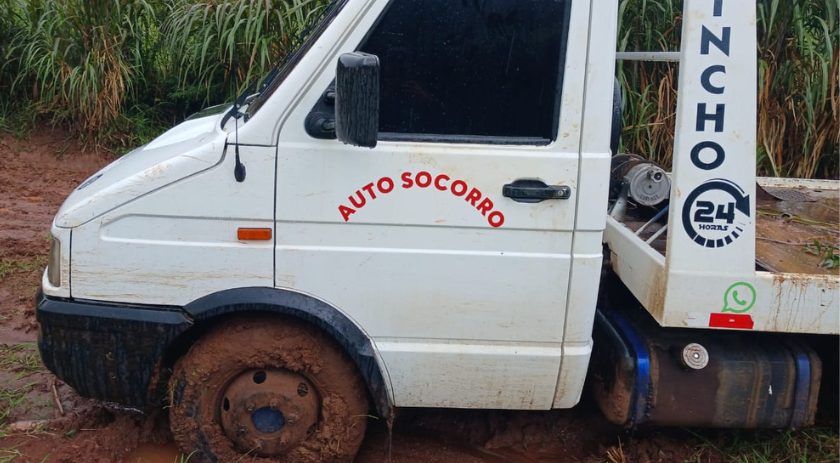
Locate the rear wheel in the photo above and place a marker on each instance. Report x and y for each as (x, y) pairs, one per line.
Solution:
(274, 388)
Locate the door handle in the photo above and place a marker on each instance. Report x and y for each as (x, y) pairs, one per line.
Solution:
(534, 191)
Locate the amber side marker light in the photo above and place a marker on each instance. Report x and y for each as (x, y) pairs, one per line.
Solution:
(254, 234)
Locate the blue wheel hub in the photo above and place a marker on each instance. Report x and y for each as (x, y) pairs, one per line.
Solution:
(267, 412)
(267, 420)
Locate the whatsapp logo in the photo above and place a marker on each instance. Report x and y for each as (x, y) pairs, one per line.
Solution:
(739, 298)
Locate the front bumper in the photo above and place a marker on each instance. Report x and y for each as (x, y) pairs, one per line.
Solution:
(107, 352)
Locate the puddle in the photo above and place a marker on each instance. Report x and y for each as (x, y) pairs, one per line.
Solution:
(404, 449)
(542, 455)
(155, 453)
(456, 436)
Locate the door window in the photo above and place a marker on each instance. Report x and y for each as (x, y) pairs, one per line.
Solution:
(470, 70)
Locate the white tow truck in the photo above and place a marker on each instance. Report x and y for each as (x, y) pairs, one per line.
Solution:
(421, 207)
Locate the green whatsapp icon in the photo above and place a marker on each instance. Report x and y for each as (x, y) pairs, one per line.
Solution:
(739, 298)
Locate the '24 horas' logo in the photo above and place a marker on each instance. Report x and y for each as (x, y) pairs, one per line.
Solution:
(716, 213)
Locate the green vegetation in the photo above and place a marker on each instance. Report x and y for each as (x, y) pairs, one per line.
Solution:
(798, 98)
(22, 359)
(81, 61)
(10, 399)
(117, 72)
(828, 252)
(17, 363)
(815, 445)
(224, 45)
(24, 265)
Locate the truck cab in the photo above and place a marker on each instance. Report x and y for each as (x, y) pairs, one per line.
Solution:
(408, 212)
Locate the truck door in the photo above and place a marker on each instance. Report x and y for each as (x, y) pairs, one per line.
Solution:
(437, 242)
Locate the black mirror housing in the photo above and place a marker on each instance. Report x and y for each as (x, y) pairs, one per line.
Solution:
(357, 99)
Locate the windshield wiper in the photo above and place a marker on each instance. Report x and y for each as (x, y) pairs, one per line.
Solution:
(272, 74)
(238, 103)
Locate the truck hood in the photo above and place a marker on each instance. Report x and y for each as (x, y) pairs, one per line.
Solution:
(186, 149)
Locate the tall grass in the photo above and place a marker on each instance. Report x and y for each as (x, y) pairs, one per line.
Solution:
(117, 71)
(11, 20)
(798, 121)
(648, 89)
(221, 46)
(799, 131)
(80, 60)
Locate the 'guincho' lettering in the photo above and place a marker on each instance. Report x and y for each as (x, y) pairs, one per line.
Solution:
(709, 39)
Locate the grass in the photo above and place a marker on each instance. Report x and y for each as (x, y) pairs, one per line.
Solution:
(810, 445)
(225, 45)
(798, 100)
(117, 72)
(10, 399)
(80, 60)
(6, 268)
(813, 445)
(828, 252)
(9, 454)
(22, 359)
(27, 264)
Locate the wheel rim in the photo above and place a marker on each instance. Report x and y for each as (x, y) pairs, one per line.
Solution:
(269, 412)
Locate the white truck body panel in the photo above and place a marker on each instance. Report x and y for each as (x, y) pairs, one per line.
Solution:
(426, 275)
(467, 306)
(714, 145)
(179, 243)
(190, 147)
(470, 301)
(593, 188)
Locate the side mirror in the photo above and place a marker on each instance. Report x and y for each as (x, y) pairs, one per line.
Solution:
(357, 99)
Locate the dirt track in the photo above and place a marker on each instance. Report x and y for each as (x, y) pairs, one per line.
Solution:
(35, 177)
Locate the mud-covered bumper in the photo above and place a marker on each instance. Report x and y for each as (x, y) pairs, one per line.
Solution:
(107, 352)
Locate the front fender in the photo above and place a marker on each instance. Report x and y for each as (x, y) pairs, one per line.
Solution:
(350, 336)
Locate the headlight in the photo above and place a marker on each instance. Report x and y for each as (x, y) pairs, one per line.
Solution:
(54, 267)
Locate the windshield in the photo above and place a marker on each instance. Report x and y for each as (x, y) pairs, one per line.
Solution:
(310, 33)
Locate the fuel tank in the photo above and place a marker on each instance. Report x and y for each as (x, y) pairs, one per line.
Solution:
(643, 373)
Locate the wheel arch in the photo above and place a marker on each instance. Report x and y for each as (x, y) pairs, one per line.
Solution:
(212, 309)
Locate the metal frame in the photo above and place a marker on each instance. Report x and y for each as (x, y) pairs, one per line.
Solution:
(707, 278)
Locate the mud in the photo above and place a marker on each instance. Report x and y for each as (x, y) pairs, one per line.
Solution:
(270, 346)
(35, 177)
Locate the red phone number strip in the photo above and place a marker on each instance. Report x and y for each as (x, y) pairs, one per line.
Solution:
(728, 320)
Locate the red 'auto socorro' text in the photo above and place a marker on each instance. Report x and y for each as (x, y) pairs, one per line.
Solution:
(408, 180)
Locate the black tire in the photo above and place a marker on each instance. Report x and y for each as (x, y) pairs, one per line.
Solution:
(245, 388)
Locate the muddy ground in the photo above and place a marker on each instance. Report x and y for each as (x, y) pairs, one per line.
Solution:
(43, 420)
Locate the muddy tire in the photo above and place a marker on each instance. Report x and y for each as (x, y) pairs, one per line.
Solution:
(274, 388)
